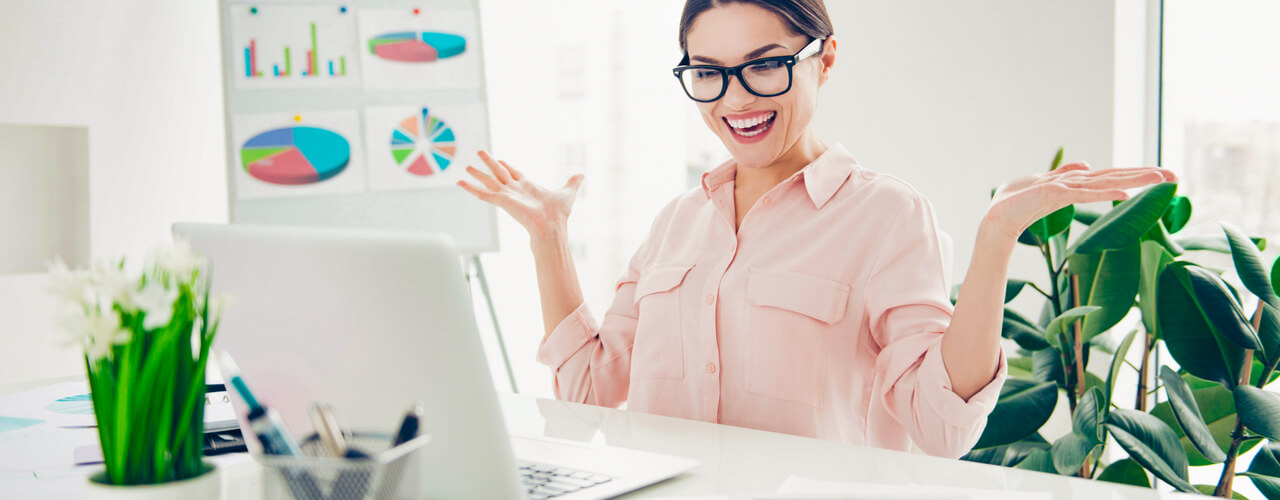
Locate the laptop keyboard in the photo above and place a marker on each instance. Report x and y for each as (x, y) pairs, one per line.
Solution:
(549, 481)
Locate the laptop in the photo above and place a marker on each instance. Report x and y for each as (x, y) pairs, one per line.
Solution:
(371, 321)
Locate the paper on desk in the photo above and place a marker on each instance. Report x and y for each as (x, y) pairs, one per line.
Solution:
(15, 423)
(68, 405)
(802, 487)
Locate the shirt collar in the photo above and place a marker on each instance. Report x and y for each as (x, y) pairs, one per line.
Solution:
(822, 178)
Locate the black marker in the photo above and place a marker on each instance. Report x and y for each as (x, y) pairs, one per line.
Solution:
(409, 427)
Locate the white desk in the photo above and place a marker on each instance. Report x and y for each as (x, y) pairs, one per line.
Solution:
(735, 461)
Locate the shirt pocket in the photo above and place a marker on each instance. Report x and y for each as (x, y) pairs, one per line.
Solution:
(658, 349)
(791, 314)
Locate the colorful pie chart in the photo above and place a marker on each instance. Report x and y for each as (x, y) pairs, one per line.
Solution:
(80, 404)
(295, 155)
(417, 46)
(423, 144)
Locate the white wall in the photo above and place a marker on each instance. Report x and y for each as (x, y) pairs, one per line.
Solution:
(143, 77)
(44, 184)
(956, 97)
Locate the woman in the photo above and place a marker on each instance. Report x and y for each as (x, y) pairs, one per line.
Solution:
(795, 290)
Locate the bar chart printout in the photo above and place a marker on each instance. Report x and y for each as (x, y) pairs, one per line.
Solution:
(293, 46)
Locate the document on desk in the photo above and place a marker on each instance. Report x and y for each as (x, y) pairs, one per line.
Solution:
(802, 487)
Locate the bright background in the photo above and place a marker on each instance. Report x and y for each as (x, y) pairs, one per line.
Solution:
(112, 128)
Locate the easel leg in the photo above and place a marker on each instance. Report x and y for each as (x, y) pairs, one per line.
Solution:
(493, 315)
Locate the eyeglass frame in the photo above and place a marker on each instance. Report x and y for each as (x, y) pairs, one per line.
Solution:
(728, 72)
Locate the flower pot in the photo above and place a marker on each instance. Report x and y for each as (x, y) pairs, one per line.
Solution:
(206, 486)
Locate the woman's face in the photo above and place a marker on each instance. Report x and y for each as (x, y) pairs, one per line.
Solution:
(756, 130)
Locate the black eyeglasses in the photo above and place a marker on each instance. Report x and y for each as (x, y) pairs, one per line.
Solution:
(765, 77)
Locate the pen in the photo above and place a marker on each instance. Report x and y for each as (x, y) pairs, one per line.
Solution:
(409, 427)
(331, 434)
(264, 422)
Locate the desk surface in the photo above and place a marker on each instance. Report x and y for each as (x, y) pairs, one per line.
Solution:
(735, 461)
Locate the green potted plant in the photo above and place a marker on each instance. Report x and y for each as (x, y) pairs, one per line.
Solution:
(146, 338)
(1215, 406)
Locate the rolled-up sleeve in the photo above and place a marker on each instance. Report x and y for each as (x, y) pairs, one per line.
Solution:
(908, 312)
(591, 362)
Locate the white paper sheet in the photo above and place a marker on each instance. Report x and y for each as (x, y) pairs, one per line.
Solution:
(319, 38)
(249, 127)
(460, 130)
(461, 71)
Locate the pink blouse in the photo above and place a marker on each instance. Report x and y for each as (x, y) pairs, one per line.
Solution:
(822, 315)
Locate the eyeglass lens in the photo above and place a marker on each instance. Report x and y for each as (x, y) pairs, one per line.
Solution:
(767, 78)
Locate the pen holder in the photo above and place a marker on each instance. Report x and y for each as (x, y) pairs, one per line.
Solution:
(319, 476)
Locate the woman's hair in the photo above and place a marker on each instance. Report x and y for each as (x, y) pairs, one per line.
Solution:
(803, 17)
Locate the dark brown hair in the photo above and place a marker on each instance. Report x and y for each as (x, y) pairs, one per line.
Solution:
(804, 17)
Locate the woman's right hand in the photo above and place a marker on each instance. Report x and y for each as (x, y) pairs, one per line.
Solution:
(540, 210)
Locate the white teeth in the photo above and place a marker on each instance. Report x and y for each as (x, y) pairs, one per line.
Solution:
(750, 122)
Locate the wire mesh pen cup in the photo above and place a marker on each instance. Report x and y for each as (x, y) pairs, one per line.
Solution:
(320, 476)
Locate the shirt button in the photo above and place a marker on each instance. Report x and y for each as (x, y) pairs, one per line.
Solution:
(711, 367)
(711, 299)
(768, 201)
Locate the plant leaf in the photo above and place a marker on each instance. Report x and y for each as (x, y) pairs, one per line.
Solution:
(1057, 158)
(1039, 460)
(1023, 331)
(1091, 412)
(1125, 471)
(1108, 280)
(1046, 366)
(1023, 407)
(1176, 216)
(1058, 326)
(1218, 406)
(1249, 265)
(1127, 222)
(1039, 232)
(1187, 333)
(1259, 410)
(1158, 234)
(1275, 276)
(1020, 368)
(1152, 444)
(1269, 332)
(1221, 308)
(1010, 454)
(1214, 243)
(1012, 288)
(1188, 415)
(1087, 216)
(1117, 360)
(1154, 259)
(1264, 471)
(1069, 452)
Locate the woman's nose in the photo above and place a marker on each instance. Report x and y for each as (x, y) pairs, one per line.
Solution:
(737, 96)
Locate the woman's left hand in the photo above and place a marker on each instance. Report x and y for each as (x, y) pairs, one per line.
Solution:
(1022, 201)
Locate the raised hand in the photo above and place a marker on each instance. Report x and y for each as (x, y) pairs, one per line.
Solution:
(1022, 201)
(536, 208)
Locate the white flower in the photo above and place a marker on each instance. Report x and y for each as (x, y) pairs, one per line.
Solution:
(70, 286)
(112, 284)
(155, 301)
(96, 331)
(178, 260)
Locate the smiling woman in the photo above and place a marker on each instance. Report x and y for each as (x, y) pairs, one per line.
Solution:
(794, 290)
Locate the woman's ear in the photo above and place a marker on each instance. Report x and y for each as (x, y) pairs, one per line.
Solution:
(828, 58)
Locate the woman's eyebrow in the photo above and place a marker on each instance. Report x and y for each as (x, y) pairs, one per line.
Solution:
(751, 55)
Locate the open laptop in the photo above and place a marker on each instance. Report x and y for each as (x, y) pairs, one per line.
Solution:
(371, 321)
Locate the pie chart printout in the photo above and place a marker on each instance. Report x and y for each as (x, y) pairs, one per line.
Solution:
(417, 46)
(80, 404)
(423, 144)
(295, 155)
